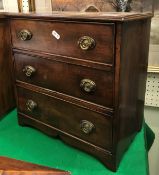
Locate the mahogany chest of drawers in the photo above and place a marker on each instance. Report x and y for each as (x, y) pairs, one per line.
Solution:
(82, 78)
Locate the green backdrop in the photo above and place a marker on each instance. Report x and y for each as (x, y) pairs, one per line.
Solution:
(28, 144)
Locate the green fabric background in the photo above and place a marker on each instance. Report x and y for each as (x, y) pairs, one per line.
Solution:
(28, 144)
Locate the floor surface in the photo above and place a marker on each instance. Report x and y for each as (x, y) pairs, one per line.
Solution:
(152, 119)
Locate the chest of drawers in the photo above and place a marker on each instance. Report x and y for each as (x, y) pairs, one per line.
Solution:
(82, 78)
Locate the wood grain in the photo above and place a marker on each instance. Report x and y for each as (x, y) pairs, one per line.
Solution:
(67, 117)
(83, 17)
(66, 78)
(132, 74)
(7, 100)
(67, 45)
(10, 166)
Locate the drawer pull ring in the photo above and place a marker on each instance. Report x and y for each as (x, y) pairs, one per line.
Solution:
(29, 71)
(31, 105)
(86, 43)
(25, 35)
(88, 85)
(86, 126)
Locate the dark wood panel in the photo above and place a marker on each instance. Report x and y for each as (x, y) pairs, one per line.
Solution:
(131, 75)
(69, 99)
(67, 117)
(103, 155)
(66, 78)
(7, 100)
(70, 33)
(66, 59)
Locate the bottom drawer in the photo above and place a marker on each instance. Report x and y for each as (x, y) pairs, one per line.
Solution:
(77, 121)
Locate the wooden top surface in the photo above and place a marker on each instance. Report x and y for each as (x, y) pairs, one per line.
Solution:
(99, 16)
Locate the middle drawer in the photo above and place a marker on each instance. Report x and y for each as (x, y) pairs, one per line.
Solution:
(82, 82)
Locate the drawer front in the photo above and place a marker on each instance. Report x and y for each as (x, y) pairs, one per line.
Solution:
(93, 42)
(82, 82)
(74, 120)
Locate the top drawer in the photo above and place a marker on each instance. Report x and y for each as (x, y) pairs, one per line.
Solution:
(87, 41)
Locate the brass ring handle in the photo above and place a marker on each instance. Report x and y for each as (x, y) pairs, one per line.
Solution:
(88, 85)
(25, 35)
(86, 43)
(86, 126)
(31, 105)
(29, 71)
